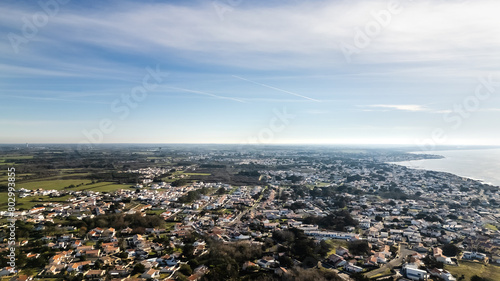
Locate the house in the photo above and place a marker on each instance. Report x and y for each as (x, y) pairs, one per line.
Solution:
(77, 266)
(194, 277)
(22, 278)
(474, 256)
(381, 258)
(6, 271)
(95, 273)
(172, 261)
(36, 210)
(266, 262)
(111, 250)
(443, 274)
(119, 271)
(151, 274)
(109, 232)
(412, 272)
(337, 260)
(127, 230)
(495, 259)
(341, 251)
(250, 266)
(349, 267)
(371, 261)
(93, 253)
(444, 259)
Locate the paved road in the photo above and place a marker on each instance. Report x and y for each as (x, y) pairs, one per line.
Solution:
(402, 253)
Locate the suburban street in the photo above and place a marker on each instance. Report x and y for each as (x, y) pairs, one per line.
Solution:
(402, 253)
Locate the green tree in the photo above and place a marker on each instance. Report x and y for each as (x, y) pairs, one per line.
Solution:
(186, 269)
(138, 268)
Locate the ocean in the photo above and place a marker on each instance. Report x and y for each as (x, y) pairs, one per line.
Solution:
(478, 164)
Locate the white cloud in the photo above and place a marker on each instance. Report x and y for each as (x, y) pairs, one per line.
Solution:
(402, 107)
(304, 35)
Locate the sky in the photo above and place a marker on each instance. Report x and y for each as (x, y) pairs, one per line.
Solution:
(259, 72)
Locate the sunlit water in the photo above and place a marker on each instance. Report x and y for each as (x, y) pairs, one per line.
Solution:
(478, 164)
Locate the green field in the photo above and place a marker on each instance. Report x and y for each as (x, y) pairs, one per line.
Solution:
(335, 243)
(491, 227)
(197, 174)
(16, 157)
(62, 184)
(18, 176)
(31, 201)
(469, 269)
(50, 184)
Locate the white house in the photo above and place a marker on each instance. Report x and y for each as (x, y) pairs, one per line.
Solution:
(412, 272)
(151, 274)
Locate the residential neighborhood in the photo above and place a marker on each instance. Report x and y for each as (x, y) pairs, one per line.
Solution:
(344, 217)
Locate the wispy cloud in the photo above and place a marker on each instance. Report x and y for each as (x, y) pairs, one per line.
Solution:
(401, 107)
(275, 88)
(204, 93)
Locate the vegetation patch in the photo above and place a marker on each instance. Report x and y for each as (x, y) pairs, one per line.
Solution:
(469, 269)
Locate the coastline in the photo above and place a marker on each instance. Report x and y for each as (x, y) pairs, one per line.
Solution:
(478, 164)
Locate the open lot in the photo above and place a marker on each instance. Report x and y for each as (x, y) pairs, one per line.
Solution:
(469, 269)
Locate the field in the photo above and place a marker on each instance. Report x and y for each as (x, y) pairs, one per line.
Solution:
(197, 174)
(16, 157)
(335, 243)
(469, 269)
(61, 184)
(491, 227)
(51, 184)
(31, 201)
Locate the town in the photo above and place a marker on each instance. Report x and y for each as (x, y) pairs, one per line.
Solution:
(233, 213)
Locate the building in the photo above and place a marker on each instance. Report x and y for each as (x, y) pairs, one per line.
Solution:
(412, 272)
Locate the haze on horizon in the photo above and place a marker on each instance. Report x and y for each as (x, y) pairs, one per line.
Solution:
(264, 72)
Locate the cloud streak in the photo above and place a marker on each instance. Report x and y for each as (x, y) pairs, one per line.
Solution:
(401, 107)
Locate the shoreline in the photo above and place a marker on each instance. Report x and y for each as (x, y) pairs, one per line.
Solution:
(458, 164)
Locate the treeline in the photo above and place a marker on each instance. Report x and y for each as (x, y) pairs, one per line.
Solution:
(193, 195)
(118, 221)
(298, 246)
(249, 173)
(114, 176)
(337, 220)
(225, 260)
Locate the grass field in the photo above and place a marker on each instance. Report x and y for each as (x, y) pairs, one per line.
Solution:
(31, 201)
(469, 269)
(491, 227)
(18, 176)
(60, 184)
(197, 174)
(336, 243)
(16, 157)
(51, 184)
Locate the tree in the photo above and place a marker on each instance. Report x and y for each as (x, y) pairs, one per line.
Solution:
(186, 269)
(359, 247)
(138, 268)
(450, 250)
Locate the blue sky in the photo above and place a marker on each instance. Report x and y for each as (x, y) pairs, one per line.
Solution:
(349, 72)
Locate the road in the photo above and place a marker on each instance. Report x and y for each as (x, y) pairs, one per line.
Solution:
(402, 253)
(257, 202)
